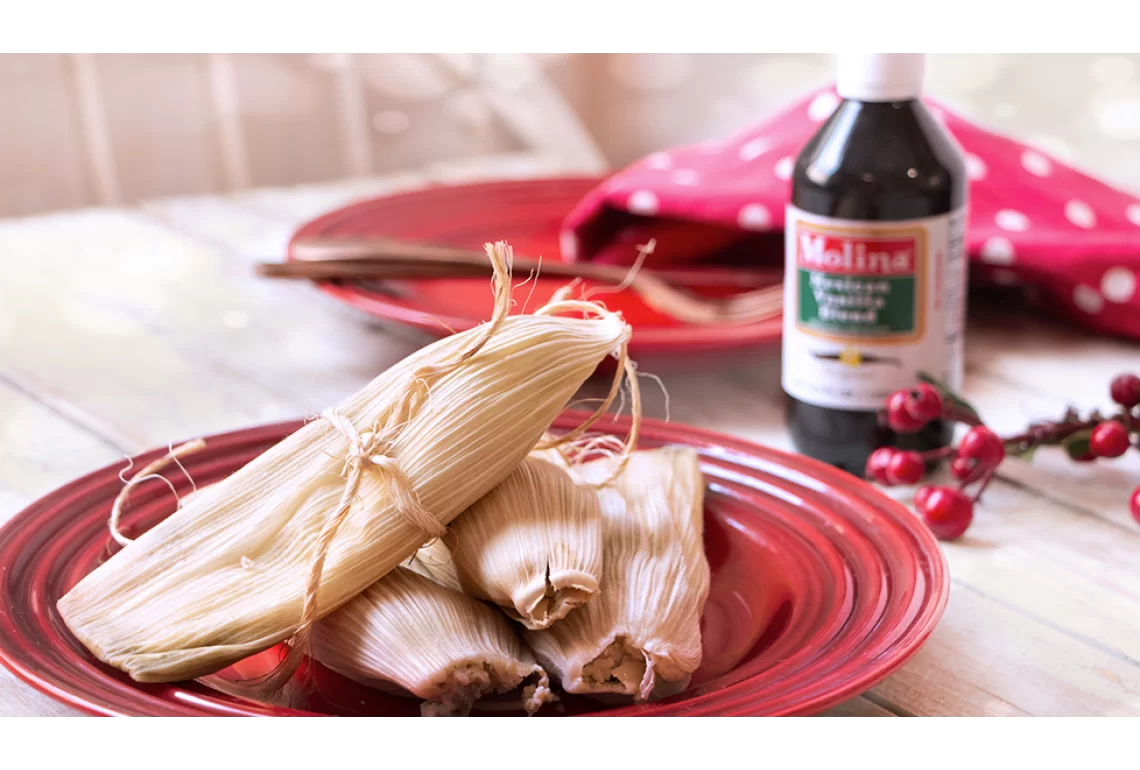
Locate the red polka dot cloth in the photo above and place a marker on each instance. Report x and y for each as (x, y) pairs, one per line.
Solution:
(1075, 241)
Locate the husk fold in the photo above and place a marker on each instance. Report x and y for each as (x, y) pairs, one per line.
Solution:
(532, 545)
(442, 646)
(641, 635)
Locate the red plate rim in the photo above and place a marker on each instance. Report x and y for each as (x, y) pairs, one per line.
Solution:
(677, 339)
(798, 694)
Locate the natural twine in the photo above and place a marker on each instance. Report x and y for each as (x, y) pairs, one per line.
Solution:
(150, 471)
(369, 450)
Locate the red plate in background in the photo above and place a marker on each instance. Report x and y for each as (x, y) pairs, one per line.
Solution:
(527, 214)
(821, 587)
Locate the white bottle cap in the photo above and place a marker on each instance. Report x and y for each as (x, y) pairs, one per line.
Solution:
(880, 77)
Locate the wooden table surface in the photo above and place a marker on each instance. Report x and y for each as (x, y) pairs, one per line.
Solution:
(124, 329)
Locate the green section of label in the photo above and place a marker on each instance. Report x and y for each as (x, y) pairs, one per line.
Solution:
(866, 306)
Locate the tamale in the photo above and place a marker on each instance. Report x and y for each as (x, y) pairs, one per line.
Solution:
(442, 646)
(641, 635)
(532, 545)
(331, 509)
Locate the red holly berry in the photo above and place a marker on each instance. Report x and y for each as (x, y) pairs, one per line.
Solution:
(966, 469)
(877, 463)
(905, 468)
(921, 495)
(948, 512)
(1134, 504)
(1087, 457)
(924, 402)
(899, 417)
(1109, 439)
(1125, 390)
(983, 445)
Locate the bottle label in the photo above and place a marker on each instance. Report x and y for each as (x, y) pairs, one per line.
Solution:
(869, 305)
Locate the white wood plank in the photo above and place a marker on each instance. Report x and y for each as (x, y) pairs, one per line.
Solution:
(985, 659)
(73, 341)
(1048, 358)
(857, 707)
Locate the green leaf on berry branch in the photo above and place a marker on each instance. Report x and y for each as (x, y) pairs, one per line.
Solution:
(1076, 446)
(1024, 454)
(948, 394)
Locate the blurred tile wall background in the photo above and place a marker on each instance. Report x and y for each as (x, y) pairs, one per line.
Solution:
(79, 130)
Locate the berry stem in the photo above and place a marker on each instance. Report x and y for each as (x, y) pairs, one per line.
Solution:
(937, 454)
(977, 496)
(1055, 432)
(960, 415)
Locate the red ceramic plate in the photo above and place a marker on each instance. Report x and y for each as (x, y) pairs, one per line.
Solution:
(526, 214)
(821, 587)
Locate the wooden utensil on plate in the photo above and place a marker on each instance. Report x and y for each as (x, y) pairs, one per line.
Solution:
(378, 258)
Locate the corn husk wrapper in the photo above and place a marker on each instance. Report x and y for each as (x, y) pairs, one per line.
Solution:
(228, 574)
(436, 562)
(532, 545)
(444, 647)
(641, 636)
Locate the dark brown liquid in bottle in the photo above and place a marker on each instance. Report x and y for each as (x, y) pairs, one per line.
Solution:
(872, 161)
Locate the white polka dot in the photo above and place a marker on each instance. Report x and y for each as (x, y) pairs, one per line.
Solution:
(784, 167)
(1080, 214)
(1005, 110)
(235, 319)
(1118, 284)
(1133, 214)
(997, 251)
(755, 216)
(568, 244)
(822, 106)
(754, 148)
(390, 121)
(651, 72)
(975, 167)
(685, 176)
(1112, 69)
(1087, 299)
(1003, 277)
(659, 161)
(1013, 221)
(642, 202)
(1036, 163)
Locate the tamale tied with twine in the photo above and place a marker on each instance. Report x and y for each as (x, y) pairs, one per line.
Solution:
(258, 558)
